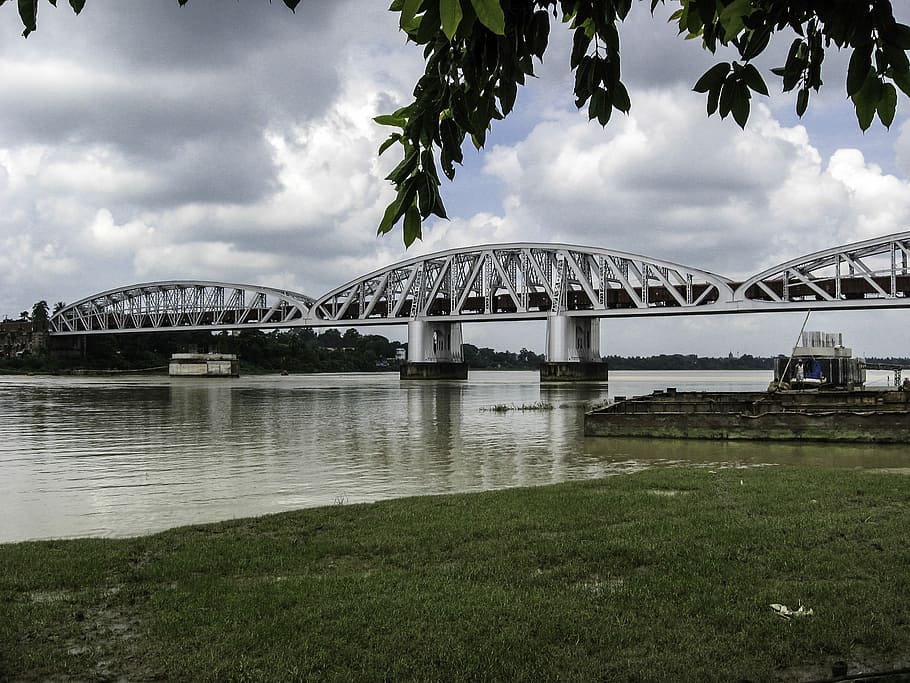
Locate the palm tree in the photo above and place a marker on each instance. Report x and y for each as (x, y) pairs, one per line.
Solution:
(39, 316)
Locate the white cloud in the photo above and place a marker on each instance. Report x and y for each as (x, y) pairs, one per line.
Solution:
(27, 265)
(111, 238)
(174, 261)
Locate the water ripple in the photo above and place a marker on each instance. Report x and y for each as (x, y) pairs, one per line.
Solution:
(114, 457)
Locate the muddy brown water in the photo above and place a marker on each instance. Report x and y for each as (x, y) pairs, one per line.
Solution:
(117, 457)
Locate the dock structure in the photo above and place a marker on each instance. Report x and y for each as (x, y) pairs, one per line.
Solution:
(864, 415)
(204, 365)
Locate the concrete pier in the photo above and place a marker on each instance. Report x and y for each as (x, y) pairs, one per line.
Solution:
(573, 350)
(434, 351)
(440, 370)
(574, 371)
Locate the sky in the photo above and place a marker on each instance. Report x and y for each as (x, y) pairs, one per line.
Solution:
(145, 141)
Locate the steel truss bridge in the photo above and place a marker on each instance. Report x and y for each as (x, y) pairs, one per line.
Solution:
(519, 281)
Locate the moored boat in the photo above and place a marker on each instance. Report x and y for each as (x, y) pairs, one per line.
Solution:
(818, 394)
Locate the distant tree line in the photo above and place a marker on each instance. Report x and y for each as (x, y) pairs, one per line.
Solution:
(296, 350)
(678, 361)
(488, 359)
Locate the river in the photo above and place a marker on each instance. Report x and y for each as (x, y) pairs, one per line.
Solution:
(116, 457)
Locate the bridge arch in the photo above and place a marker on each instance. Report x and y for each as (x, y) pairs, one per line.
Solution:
(182, 305)
(520, 281)
(869, 274)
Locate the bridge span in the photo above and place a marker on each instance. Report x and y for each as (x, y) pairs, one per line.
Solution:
(572, 287)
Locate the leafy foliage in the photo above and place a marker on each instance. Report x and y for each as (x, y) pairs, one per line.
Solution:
(28, 10)
(478, 52)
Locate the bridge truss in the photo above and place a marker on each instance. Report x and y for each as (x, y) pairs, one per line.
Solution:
(193, 305)
(519, 282)
(869, 274)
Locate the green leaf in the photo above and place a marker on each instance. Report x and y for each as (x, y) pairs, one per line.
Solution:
(424, 194)
(507, 93)
(694, 23)
(740, 105)
(540, 33)
(584, 81)
(713, 98)
(858, 70)
(756, 43)
(292, 4)
(28, 12)
(77, 5)
(409, 10)
(727, 94)
(707, 11)
(390, 217)
(425, 27)
(712, 78)
(390, 120)
(887, 105)
(450, 11)
(731, 18)
(903, 82)
(753, 79)
(867, 99)
(404, 169)
(580, 42)
(621, 99)
(601, 106)
(411, 225)
(802, 101)
(490, 14)
(392, 139)
(902, 36)
(897, 58)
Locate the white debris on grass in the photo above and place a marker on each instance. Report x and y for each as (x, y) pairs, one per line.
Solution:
(787, 613)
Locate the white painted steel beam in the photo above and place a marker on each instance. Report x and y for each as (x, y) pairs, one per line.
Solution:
(516, 281)
(520, 281)
(176, 305)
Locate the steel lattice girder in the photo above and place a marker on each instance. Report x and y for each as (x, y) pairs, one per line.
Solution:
(869, 274)
(522, 281)
(189, 305)
(519, 281)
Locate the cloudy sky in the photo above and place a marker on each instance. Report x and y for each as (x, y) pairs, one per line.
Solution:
(234, 141)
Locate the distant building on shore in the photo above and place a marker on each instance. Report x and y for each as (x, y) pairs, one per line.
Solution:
(19, 338)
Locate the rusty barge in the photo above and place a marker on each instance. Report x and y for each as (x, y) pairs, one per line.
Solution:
(818, 394)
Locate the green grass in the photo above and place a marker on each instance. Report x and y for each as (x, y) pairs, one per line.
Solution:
(505, 407)
(662, 575)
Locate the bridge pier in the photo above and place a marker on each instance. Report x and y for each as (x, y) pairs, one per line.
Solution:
(434, 351)
(573, 350)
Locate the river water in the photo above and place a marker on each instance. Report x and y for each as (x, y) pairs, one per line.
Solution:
(118, 457)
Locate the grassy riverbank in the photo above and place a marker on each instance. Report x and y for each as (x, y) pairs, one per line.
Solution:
(663, 575)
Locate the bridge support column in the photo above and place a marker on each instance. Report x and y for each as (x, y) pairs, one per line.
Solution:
(573, 350)
(434, 351)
